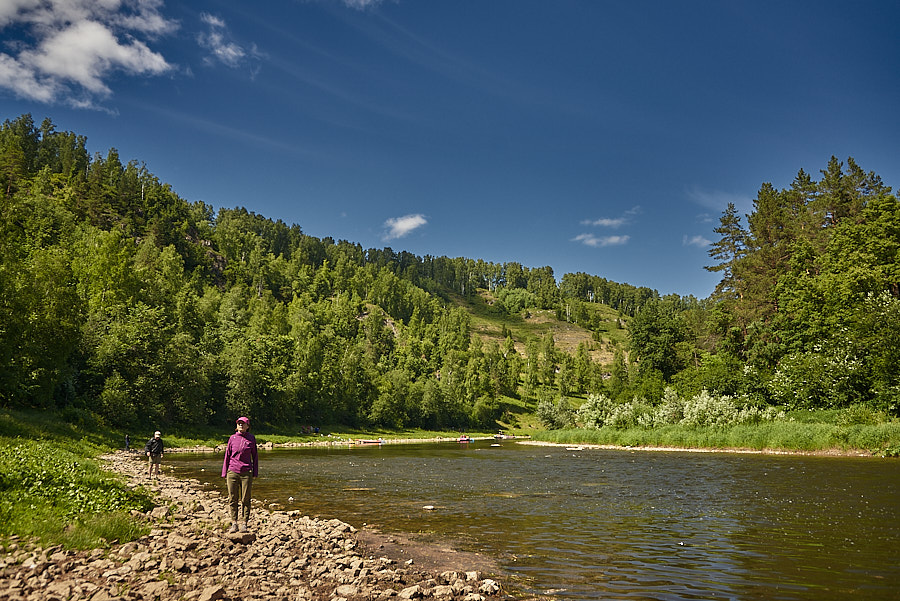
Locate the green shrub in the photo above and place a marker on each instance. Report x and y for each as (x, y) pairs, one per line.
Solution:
(555, 415)
(55, 494)
(823, 377)
(859, 414)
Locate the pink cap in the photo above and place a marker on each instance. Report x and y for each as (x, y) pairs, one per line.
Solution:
(246, 420)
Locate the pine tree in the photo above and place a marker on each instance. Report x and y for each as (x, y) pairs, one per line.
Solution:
(729, 250)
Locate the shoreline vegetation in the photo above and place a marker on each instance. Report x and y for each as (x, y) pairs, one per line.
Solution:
(575, 441)
(780, 437)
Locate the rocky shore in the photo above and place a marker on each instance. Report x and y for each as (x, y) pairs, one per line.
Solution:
(189, 556)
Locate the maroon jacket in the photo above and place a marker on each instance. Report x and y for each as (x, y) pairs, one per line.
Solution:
(241, 455)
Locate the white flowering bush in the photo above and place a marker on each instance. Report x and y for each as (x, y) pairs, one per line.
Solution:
(755, 415)
(594, 412)
(704, 409)
(555, 415)
(670, 410)
(709, 410)
(832, 377)
(629, 414)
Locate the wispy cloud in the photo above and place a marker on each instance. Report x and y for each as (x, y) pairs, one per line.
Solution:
(614, 222)
(600, 241)
(606, 222)
(217, 40)
(398, 227)
(224, 130)
(362, 4)
(595, 241)
(65, 50)
(698, 241)
(716, 200)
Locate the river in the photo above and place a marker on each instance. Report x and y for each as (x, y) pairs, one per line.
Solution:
(596, 524)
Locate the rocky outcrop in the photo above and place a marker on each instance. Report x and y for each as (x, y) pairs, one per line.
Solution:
(189, 556)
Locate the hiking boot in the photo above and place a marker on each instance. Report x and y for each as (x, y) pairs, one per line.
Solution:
(242, 527)
(234, 527)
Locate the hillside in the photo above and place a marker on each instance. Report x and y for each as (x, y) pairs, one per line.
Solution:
(490, 321)
(121, 299)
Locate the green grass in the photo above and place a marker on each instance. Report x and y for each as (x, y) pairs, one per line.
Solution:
(69, 427)
(55, 492)
(783, 435)
(40, 522)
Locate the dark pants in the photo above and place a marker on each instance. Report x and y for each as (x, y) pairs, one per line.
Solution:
(239, 486)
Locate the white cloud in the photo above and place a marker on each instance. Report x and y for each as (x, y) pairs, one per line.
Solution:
(361, 4)
(608, 222)
(605, 222)
(218, 41)
(215, 40)
(398, 227)
(601, 241)
(66, 49)
(86, 51)
(147, 19)
(23, 81)
(698, 241)
(212, 20)
(614, 222)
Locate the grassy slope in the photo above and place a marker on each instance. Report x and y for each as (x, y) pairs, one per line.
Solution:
(489, 320)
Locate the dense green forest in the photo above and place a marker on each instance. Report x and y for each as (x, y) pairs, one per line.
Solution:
(121, 299)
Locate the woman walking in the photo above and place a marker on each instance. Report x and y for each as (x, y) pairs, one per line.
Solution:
(241, 465)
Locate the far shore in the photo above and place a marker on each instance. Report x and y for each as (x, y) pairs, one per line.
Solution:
(834, 452)
(328, 441)
(527, 440)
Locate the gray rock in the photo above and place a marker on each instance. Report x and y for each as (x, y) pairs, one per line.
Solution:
(154, 590)
(211, 593)
(346, 590)
(411, 592)
(489, 587)
(159, 513)
(243, 538)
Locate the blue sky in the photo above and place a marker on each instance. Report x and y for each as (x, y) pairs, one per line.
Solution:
(594, 136)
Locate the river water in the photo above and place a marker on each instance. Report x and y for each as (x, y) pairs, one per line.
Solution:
(599, 524)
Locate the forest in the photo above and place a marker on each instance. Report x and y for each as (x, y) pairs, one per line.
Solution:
(121, 299)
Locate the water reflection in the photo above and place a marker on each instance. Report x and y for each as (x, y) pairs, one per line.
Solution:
(594, 524)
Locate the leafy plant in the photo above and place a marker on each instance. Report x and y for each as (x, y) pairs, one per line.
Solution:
(50, 492)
